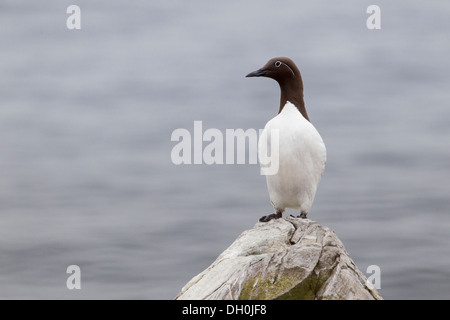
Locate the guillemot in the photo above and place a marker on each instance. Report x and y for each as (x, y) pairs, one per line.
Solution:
(302, 153)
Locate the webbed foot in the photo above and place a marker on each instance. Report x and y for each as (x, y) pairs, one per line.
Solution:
(277, 215)
(302, 215)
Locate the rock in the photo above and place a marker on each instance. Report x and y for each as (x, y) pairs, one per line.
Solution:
(291, 258)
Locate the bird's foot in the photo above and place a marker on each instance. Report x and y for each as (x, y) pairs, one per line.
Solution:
(302, 215)
(270, 217)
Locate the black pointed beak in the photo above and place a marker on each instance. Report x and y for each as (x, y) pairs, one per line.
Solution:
(257, 73)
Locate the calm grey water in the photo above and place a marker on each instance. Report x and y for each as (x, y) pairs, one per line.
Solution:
(86, 118)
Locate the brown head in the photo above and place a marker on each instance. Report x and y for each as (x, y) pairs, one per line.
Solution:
(285, 72)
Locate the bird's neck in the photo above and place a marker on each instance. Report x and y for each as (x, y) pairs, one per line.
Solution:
(293, 94)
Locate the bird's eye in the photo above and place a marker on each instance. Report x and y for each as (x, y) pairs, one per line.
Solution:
(277, 64)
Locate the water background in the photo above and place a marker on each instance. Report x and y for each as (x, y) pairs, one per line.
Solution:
(86, 118)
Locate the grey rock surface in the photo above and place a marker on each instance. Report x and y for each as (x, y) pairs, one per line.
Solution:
(290, 258)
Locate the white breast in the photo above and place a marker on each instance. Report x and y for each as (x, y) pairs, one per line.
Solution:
(302, 157)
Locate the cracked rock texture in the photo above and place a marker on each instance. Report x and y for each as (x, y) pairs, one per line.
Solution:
(291, 258)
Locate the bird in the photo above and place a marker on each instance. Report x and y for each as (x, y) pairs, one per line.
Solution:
(301, 151)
